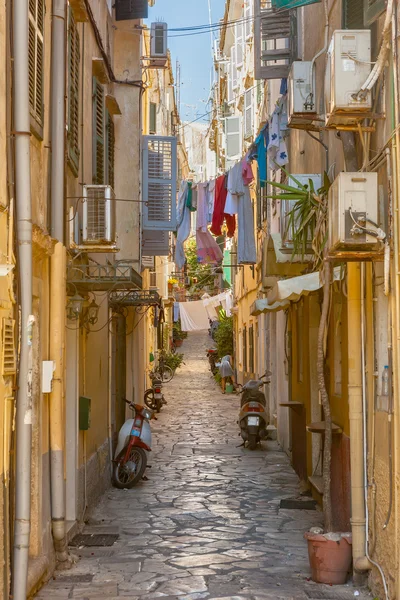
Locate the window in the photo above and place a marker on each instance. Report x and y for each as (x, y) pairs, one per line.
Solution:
(239, 44)
(153, 118)
(248, 16)
(110, 146)
(251, 349)
(36, 57)
(244, 350)
(98, 133)
(248, 114)
(229, 82)
(234, 73)
(73, 94)
(372, 10)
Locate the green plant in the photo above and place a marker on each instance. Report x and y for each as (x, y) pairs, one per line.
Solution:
(218, 378)
(173, 360)
(307, 221)
(177, 332)
(224, 335)
(201, 274)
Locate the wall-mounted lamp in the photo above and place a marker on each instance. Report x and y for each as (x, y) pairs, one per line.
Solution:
(91, 315)
(74, 307)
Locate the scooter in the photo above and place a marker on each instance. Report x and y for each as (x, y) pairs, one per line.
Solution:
(134, 442)
(153, 397)
(253, 419)
(212, 355)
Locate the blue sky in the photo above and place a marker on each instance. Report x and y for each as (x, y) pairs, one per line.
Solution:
(193, 51)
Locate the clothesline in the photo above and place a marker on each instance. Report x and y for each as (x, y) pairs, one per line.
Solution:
(196, 315)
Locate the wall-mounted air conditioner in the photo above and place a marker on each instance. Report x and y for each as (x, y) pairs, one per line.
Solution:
(353, 216)
(287, 206)
(159, 44)
(347, 68)
(301, 93)
(97, 230)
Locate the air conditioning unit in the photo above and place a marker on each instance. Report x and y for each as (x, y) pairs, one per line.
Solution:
(158, 44)
(288, 205)
(347, 68)
(301, 93)
(353, 216)
(98, 218)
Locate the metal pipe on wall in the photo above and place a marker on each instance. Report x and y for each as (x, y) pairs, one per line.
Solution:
(58, 280)
(24, 237)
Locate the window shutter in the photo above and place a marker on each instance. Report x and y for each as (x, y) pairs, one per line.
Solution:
(8, 357)
(36, 57)
(73, 94)
(159, 183)
(153, 118)
(248, 16)
(230, 82)
(155, 243)
(98, 133)
(275, 41)
(127, 10)
(233, 137)
(110, 150)
(251, 349)
(248, 114)
(234, 68)
(372, 10)
(239, 44)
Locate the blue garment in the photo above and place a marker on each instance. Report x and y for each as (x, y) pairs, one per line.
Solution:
(262, 143)
(176, 312)
(284, 87)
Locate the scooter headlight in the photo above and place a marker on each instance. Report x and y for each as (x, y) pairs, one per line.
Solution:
(147, 413)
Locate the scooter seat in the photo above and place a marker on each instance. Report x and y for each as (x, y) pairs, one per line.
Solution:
(252, 384)
(157, 382)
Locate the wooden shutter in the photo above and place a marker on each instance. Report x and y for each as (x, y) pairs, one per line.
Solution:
(8, 356)
(353, 14)
(244, 350)
(275, 41)
(127, 10)
(372, 10)
(110, 150)
(98, 133)
(155, 243)
(73, 94)
(159, 182)
(251, 349)
(248, 114)
(233, 141)
(229, 82)
(36, 58)
(234, 68)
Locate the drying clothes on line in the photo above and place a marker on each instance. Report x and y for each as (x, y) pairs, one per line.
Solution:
(247, 172)
(246, 239)
(211, 199)
(235, 189)
(193, 204)
(219, 209)
(277, 150)
(208, 250)
(184, 222)
(176, 312)
(202, 207)
(224, 299)
(193, 316)
(259, 152)
(189, 197)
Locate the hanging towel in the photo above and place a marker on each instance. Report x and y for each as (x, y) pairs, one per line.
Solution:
(208, 250)
(193, 316)
(184, 223)
(235, 189)
(210, 199)
(202, 207)
(247, 172)
(246, 240)
(219, 205)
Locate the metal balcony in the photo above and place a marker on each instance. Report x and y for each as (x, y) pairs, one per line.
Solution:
(102, 278)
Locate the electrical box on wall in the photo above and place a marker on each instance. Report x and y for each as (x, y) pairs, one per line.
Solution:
(354, 233)
(301, 93)
(348, 65)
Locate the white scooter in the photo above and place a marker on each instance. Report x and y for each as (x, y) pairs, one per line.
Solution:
(134, 442)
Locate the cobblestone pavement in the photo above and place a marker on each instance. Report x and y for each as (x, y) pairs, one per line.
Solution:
(207, 523)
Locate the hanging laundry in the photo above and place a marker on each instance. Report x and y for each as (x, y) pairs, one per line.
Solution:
(211, 199)
(219, 213)
(259, 152)
(247, 171)
(189, 198)
(208, 250)
(246, 239)
(193, 316)
(193, 205)
(235, 189)
(202, 207)
(277, 150)
(184, 223)
(176, 312)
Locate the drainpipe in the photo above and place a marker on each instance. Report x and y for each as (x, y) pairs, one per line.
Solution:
(58, 282)
(24, 237)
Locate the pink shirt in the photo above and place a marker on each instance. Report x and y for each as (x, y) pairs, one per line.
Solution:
(247, 172)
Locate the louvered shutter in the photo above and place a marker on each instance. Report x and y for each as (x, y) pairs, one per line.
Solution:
(159, 182)
(229, 82)
(234, 68)
(153, 118)
(239, 44)
(248, 114)
(248, 16)
(353, 14)
(233, 137)
(36, 57)
(372, 10)
(110, 150)
(127, 10)
(73, 93)
(155, 243)
(275, 41)
(98, 133)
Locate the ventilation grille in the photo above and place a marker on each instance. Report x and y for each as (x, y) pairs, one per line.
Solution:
(8, 362)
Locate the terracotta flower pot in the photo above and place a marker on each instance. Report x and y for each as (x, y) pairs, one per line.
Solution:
(178, 343)
(330, 557)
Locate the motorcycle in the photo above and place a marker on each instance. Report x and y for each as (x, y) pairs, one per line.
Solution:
(134, 442)
(153, 397)
(212, 355)
(253, 418)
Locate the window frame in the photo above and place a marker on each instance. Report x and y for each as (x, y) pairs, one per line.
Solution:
(153, 118)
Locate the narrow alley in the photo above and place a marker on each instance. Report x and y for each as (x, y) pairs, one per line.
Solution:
(208, 522)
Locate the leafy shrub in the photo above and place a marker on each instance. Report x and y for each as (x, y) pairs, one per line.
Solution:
(177, 332)
(224, 336)
(173, 360)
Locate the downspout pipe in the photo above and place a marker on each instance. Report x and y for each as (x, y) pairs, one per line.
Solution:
(22, 134)
(58, 281)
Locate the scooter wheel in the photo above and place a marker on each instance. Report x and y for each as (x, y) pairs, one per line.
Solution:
(124, 476)
(252, 441)
(149, 399)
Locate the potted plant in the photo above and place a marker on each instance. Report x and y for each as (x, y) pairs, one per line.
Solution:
(172, 282)
(329, 552)
(178, 335)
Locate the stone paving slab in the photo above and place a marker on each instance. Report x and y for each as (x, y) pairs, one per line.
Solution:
(207, 523)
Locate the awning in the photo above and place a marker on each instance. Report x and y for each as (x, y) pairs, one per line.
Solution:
(291, 290)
